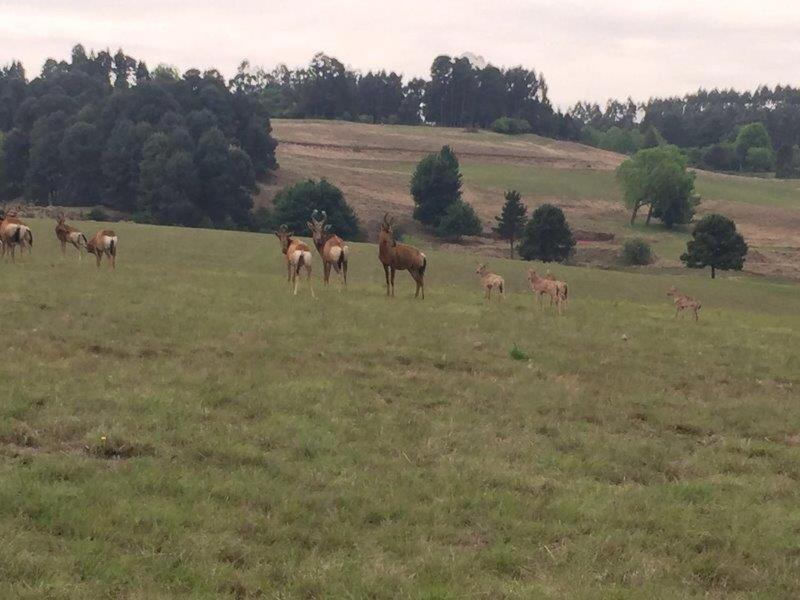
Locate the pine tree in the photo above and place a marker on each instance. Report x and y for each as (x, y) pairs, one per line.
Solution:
(547, 236)
(435, 185)
(511, 220)
(715, 243)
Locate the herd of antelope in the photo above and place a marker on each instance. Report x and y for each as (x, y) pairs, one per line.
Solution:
(333, 251)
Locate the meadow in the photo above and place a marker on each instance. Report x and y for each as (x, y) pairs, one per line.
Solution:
(184, 427)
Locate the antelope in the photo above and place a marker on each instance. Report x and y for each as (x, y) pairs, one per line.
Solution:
(490, 280)
(684, 303)
(557, 290)
(13, 233)
(104, 242)
(400, 257)
(297, 256)
(67, 234)
(561, 285)
(331, 248)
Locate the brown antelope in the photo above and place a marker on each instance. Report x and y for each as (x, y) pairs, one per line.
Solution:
(104, 242)
(557, 290)
(400, 257)
(67, 234)
(13, 233)
(331, 248)
(490, 280)
(298, 256)
(560, 285)
(684, 303)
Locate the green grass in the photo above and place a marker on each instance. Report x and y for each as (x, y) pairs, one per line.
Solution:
(182, 426)
(752, 190)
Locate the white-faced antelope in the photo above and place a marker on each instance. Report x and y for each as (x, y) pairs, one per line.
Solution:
(683, 302)
(13, 233)
(490, 281)
(298, 256)
(67, 234)
(561, 287)
(541, 286)
(333, 250)
(400, 257)
(104, 242)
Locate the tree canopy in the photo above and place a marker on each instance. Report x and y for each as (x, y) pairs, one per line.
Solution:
(435, 185)
(511, 220)
(715, 243)
(294, 205)
(547, 236)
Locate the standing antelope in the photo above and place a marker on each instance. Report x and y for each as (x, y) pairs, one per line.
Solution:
(557, 290)
(490, 281)
(331, 248)
(104, 242)
(400, 257)
(67, 234)
(684, 303)
(298, 255)
(13, 233)
(561, 287)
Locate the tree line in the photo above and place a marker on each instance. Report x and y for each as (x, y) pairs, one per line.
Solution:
(103, 129)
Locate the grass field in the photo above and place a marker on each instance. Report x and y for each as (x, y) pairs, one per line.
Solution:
(183, 427)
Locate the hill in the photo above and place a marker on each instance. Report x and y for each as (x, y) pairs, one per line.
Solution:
(183, 426)
(373, 164)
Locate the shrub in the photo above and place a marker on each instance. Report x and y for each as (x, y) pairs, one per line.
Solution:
(547, 236)
(720, 157)
(459, 219)
(368, 119)
(637, 252)
(97, 214)
(510, 126)
(759, 160)
(715, 243)
(263, 220)
(294, 204)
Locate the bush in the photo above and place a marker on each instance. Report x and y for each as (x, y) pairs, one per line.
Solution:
(435, 185)
(637, 252)
(367, 119)
(720, 157)
(294, 204)
(459, 219)
(97, 214)
(263, 220)
(510, 126)
(547, 236)
(759, 160)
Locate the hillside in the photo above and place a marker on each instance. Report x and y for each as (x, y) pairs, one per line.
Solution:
(184, 427)
(373, 164)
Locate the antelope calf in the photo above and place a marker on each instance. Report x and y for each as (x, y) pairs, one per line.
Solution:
(541, 286)
(13, 233)
(400, 257)
(67, 234)
(490, 281)
(684, 303)
(297, 255)
(104, 242)
(331, 248)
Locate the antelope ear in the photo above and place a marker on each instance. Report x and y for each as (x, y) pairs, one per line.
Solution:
(310, 226)
(327, 228)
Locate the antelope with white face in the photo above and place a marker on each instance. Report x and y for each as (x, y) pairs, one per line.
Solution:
(298, 256)
(67, 234)
(104, 243)
(333, 250)
(684, 303)
(400, 257)
(13, 233)
(556, 290)
(490, 281)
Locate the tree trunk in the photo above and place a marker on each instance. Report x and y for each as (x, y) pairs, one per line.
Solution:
(649, 214)
(713, 272)
(511, 244)
(633, 215)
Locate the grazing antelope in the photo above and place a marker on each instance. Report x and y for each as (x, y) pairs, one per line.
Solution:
(490, 280)
(67, 234)
(400, 257)
(13, 233)
(298, 256)
(331, 248)
(104, 242)
(684, 303)
(557, 290)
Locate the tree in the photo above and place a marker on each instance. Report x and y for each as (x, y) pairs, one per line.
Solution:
(715, 243)
(652, 138)
(435, 185)
(511, 220)
(458, 220)
(80, 159)
(759, 159)
(658, 178)
(754, 135)
(293, 206)
(637, 251)
(547, 236)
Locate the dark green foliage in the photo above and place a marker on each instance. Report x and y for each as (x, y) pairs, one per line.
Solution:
(652, 138)
(518, 354)
(787, 162)
(636, 252)
(97, 214)
(80, 159)
(759, 159)
(754, 135)
(720, 157)
(510, 126)
(458, 220)
(294, 205)
(715, 243)
(435, 185)
(547, 236)
(511, 220)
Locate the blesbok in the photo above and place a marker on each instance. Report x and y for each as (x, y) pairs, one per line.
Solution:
(561, 286)
(400, 257)
(67, 234)
(13, 233)
(683, 302)
(298, 256)
(331, 248)
(540, 286)
(490, 281)
(104, 242)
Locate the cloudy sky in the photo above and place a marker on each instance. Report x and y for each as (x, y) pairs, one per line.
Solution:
(587, 50)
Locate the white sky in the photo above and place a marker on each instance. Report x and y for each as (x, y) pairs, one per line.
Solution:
(589, 50)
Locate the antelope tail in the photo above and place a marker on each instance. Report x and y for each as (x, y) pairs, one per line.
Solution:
(29, 237)
(342, 256)
(113, 246)
(424, 264)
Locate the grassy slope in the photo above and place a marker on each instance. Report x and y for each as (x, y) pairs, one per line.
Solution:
(355, 447)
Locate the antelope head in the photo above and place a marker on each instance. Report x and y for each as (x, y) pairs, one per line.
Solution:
(320, 230)
(61, 218)
(285, 236)
(481, 269)
(671, 292)
(385, 235)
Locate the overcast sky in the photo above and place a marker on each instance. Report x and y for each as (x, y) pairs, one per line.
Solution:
(587, 50)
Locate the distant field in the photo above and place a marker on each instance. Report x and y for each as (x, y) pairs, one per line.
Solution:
(183, 427)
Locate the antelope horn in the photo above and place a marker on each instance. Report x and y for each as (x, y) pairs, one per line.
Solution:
(282, 227)
(324, 216)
